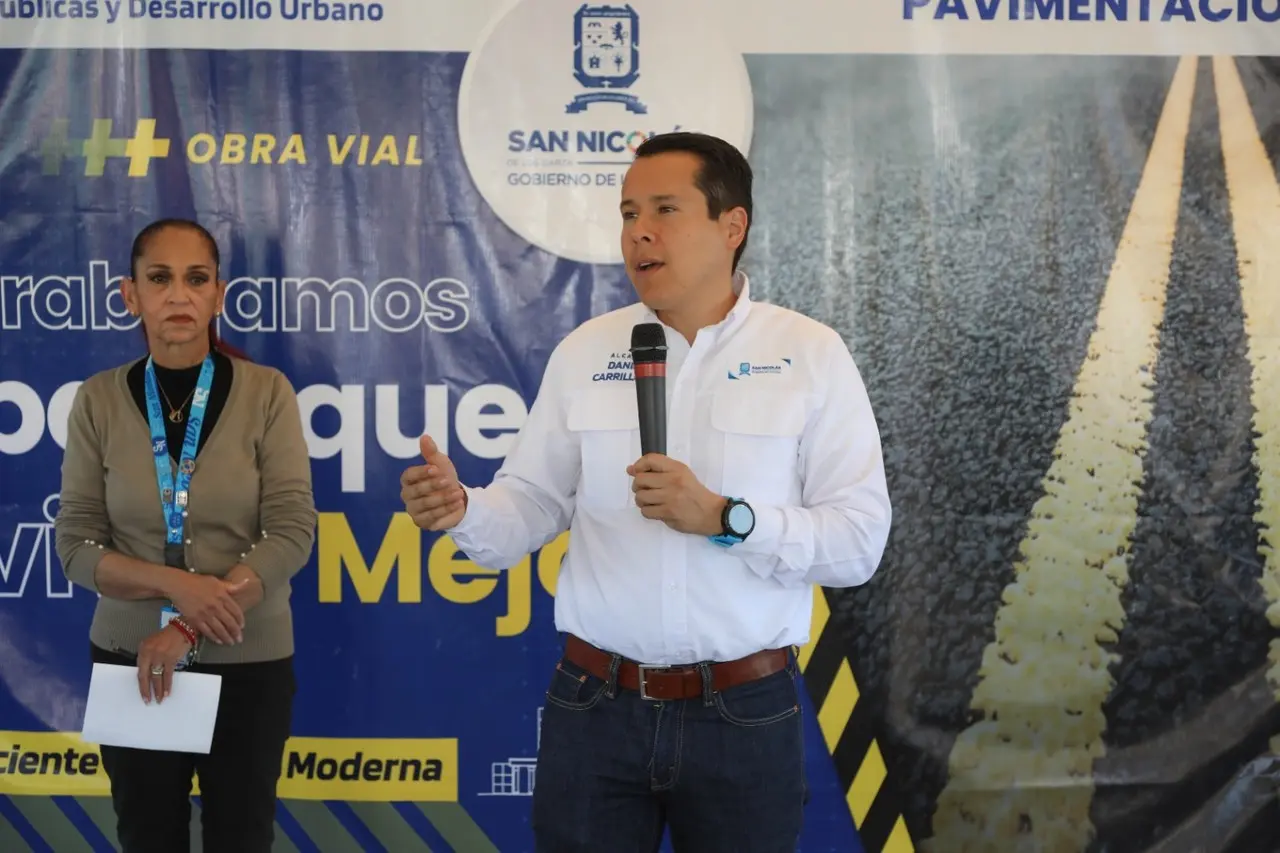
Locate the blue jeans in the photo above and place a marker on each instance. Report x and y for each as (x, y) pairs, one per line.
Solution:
(724, 772)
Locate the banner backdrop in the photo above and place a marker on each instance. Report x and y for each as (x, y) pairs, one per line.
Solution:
(1047, 228)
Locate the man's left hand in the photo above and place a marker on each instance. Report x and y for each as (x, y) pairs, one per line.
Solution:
(666, 490)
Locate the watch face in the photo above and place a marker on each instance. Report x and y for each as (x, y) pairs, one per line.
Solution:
(740, 518)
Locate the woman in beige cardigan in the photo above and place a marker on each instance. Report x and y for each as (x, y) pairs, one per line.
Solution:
(186, 504)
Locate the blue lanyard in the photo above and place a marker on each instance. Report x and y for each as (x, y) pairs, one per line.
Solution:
(173, 496)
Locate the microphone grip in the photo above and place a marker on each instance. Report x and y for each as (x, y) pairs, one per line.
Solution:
(651, 398)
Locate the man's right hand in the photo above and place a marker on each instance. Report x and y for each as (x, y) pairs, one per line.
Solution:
(432, 495)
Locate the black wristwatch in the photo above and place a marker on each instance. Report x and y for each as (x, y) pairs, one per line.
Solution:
(737, 520)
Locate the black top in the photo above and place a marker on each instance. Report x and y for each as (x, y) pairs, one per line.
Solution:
(178, 386)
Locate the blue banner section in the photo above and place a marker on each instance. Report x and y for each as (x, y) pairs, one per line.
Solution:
(364, 263)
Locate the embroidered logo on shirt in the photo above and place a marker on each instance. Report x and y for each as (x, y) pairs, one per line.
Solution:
(746, 369)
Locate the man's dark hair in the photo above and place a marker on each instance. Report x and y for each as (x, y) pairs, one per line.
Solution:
(724, 177)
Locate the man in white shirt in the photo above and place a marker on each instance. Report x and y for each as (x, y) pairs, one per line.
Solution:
(689, 576)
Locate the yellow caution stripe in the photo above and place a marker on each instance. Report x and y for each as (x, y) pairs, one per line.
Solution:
(848, 730)
(1255, 216)
(1022, 776)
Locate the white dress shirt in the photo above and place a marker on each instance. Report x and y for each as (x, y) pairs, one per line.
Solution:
(766, 406)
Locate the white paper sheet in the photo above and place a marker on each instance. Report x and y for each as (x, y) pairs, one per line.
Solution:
(116, 715)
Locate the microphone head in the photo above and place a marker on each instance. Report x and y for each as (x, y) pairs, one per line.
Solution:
(648, 343)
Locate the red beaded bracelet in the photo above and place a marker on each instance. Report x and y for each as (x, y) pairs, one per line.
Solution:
(185, 630)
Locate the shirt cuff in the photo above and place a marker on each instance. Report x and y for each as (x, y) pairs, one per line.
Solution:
(82, 569)
(472, 519)
(767, 534)
(264, 559)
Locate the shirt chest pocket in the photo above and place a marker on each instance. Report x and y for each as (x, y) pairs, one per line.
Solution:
(606, 424)
(759, 432)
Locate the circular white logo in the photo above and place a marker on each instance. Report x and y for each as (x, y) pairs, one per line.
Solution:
(559, 94)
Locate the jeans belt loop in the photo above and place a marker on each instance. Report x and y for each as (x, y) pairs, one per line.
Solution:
(708, 684)
(611, 688)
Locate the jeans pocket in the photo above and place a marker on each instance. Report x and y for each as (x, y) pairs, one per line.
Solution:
(573, 688)
(761, 702)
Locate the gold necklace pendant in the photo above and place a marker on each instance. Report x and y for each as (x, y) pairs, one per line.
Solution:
(175, 415)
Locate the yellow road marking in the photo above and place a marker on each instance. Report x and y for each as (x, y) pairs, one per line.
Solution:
(1255, 216)
(1024, 773)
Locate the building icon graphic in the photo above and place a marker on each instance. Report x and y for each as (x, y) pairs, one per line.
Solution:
(515, 777)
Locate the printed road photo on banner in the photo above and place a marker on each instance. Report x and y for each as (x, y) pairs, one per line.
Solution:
(1044, 229)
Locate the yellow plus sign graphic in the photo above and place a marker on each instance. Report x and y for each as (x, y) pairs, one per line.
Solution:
(56, 147)
(143, 147)
(99, 146)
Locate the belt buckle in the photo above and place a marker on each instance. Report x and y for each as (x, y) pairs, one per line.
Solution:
(641, 670)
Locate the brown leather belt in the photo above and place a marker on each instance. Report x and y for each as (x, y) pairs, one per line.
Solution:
(674, 682)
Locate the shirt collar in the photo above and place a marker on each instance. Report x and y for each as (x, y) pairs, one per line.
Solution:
(741, 308)
(737, 314)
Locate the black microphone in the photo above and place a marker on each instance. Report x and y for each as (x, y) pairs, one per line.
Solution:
(649, 355)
